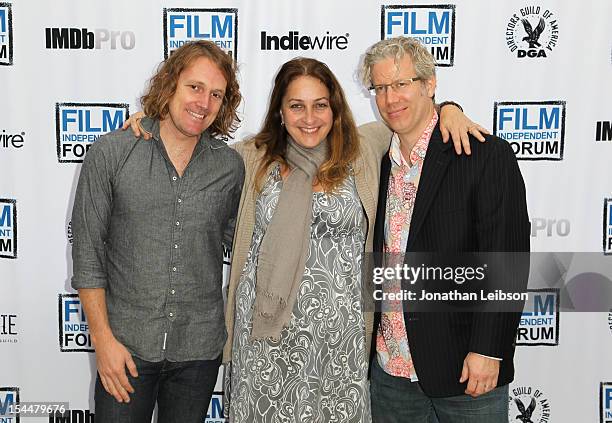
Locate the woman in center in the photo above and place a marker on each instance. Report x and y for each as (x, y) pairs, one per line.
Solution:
(299, 348)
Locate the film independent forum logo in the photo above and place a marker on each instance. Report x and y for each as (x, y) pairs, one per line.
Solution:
(6, 34)
(8, 228)
(607, 227)
(605, 402)
(528, 405)
(532, 32)
(218, 25)
(432, 25)
(9, 398)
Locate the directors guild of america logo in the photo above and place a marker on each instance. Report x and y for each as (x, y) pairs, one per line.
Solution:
(532, 32)
(528, 404)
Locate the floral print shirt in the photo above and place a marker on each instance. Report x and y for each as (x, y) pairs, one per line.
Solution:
(391, 340)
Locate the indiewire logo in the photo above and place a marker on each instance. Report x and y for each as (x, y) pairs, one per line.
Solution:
(84, 39)
(605, 402)
(9, 398)
(607, 227)
(295, 41)
(78, 125)
(6, 34)
(535, 130)
(73, 328)
(603, 131)
(72, 416)
(539, 324)
(8, 140)
(217, 25)
(8, 228)
(433, 25)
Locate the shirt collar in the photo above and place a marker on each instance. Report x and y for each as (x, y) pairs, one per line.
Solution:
(417, 154)
(152, 126)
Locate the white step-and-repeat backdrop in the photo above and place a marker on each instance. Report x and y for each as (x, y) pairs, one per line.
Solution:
(73, 70)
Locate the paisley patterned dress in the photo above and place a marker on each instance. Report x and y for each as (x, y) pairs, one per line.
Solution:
(317, 370)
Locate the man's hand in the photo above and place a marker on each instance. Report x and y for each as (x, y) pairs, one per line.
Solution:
(481, 373)
(112, 359)
(455, 123)
(134, 124)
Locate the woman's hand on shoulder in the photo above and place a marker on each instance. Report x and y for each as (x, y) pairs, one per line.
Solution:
(456, 125)
(134, 124)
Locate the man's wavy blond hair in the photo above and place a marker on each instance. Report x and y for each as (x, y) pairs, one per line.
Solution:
(162, 85)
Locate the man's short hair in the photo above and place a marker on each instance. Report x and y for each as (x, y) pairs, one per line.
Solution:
(162, 85)
(396, 48)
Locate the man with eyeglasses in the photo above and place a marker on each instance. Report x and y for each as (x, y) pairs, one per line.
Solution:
(439, 366)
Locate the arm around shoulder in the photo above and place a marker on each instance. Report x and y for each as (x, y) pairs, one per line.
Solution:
(377, 135)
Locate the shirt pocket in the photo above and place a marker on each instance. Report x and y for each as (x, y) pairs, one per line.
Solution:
(212, 209)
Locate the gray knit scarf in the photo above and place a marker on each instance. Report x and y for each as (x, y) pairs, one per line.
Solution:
(282, 255)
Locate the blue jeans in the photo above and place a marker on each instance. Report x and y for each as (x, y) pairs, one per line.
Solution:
(182, 391)
(396, 399)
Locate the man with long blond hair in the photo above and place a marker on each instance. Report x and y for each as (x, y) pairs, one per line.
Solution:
(149, 220)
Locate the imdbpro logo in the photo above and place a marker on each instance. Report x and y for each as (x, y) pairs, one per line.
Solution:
(84, 39)
(603, 130)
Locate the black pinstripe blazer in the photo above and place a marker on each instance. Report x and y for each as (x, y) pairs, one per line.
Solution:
(463, 204)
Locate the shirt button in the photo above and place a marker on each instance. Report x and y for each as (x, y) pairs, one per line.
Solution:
(171, 314)
(175, 246)
(172, 291)
(180, 200)
(174, 178)
(178, 223)
(174, 269)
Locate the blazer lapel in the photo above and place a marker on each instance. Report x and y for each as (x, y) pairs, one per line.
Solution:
(434, 168)
(381, 209)
(379, 239)
(364, 189)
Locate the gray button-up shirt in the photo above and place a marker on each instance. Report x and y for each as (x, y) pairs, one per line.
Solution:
(153, 240)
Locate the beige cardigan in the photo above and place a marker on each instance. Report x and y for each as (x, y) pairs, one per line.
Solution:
(374, 142)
